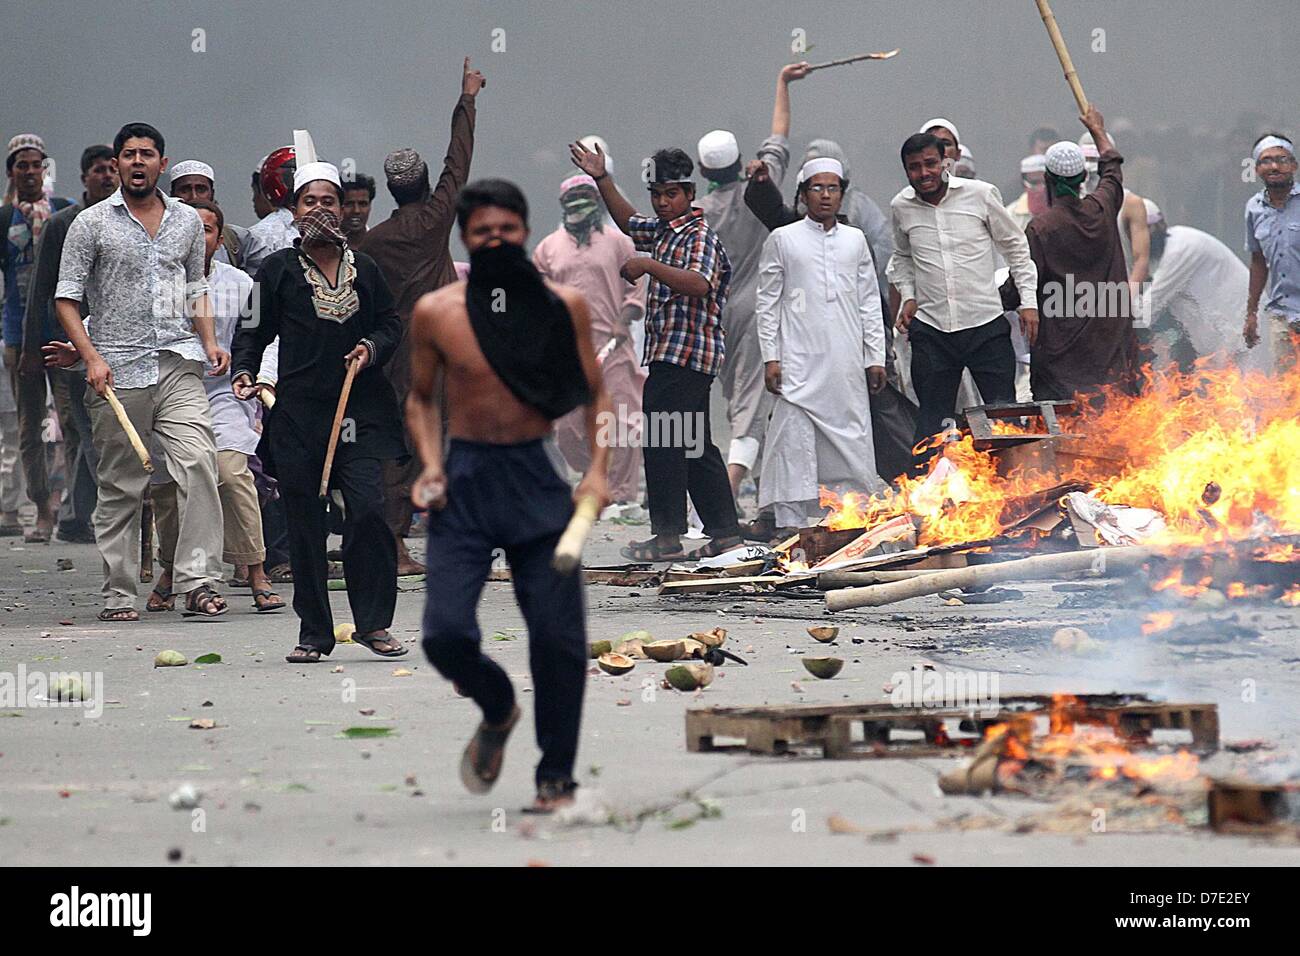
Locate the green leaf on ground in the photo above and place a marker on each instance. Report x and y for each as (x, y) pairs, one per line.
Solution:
(351, 733)
(208, 659)
(681, 824)
(502, 636)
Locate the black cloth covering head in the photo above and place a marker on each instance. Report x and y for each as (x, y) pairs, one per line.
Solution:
(525, 331)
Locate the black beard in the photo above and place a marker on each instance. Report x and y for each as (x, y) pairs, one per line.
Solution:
(137, 192)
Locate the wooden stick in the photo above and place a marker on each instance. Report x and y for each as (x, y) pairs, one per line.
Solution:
(146, 537)
(835, 580)
(568, 551)
(1063, 54)
(268, 398)
(338, 423)
(854, 59)
(141, 452)
(1023, 569)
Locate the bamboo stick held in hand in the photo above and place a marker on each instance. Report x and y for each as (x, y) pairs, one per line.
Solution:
(1067, 65)
(132, 435)
(338, 423)
(568, 551)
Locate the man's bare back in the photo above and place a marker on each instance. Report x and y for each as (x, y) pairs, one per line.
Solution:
(480, 406)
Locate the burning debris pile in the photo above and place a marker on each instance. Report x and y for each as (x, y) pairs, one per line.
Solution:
(1197, 479)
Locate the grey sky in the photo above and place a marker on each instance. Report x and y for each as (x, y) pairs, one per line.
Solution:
(366, 79)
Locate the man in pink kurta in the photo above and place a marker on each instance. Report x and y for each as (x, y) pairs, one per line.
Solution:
(586, 254)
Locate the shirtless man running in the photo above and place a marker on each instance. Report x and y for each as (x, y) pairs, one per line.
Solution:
(513, 353)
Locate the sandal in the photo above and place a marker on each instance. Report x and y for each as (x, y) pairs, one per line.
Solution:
(552, 795)
(650, 551)
(236, 582)
(269, 605)
(37, 535)
(205, 602)
(717, 546)
(11, 530)
(281, 574)
(120, 615)
(369, 641)
(480, 764)
(304, 654)
(166, 599)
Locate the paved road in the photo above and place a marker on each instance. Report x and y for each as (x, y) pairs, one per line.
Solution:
(280, 786)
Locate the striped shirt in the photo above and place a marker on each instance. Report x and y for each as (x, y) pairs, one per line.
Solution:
(679, 329)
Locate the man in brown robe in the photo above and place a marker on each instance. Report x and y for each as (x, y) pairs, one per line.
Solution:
(1085, 334)
(411, 250)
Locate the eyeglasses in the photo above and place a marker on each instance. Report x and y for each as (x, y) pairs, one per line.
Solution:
(831, 189)
(1277, 161)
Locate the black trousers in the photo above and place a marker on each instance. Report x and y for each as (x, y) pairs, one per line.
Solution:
(680, 457)
(369, 554)
(938, 359)
(508, 499)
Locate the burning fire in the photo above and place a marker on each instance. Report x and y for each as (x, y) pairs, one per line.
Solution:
(1292, 596)
(1158, 621)
(1213, 450)
(1097, 748)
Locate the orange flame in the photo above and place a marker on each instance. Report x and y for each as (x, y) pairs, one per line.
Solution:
(1158, 621)
(1213, 450)
(1292, 596)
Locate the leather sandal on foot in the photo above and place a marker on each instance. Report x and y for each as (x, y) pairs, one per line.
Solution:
(303, 654)
(480, 764)
(119, 615)
(166, 599)
(266, 604)
(651, 551)
(369, 641)
(205, 602)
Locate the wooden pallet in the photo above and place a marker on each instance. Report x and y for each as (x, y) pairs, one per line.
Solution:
(933, 732)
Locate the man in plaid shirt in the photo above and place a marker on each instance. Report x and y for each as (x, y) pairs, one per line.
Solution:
(689, 274)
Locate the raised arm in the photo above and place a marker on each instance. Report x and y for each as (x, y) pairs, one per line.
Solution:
(460, 149)
(781, 109)
(593, 164)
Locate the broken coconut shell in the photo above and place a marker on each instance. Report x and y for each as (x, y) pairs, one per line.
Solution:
(597, 648)
(693, 647)
(710, 638)
(824, 633)
(615, 663)
(689, 677)
(632, 649)
(664, 651)
(823, 667)
(170, 659)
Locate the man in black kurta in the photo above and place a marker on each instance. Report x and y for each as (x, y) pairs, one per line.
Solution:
(1085, 334)
(318, 323)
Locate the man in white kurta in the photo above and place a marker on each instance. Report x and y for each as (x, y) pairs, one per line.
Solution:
(822, 337)
(1200, 283)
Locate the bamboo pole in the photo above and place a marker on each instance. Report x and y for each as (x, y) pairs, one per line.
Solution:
(132, 435)
(1039, 567)
(568, 551)
(1063, 54)
(338, 423)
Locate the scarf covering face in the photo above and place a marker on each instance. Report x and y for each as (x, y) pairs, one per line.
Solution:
(333, 303)
(582, 215)
(525, 331)
(321, 225)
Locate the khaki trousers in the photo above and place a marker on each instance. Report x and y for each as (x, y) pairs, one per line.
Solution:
(241, 518)
(176, 412)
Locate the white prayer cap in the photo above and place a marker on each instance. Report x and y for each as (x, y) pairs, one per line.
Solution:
(718, 149)
(1064, 159)
(940, 121)
(1035, 163)
(193, 167)
(310, 172)
(822, 165)
(1154, 215)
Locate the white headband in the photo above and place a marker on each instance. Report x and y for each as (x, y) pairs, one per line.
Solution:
(1272, 142)
(823, 164)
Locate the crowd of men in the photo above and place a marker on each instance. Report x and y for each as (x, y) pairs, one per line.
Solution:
(845, 338)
